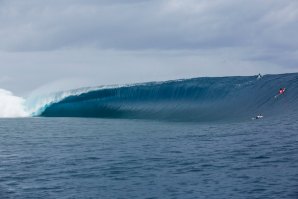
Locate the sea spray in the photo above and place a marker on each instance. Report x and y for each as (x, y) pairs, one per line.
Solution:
(11, 105)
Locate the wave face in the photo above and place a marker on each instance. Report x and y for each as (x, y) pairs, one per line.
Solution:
(36, 104)
(199, 99)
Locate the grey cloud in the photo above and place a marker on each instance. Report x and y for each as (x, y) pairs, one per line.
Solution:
(156, 24)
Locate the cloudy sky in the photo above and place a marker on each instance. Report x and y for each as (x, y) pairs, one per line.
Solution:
(73, 43)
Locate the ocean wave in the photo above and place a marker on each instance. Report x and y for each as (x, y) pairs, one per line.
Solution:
(198, 99)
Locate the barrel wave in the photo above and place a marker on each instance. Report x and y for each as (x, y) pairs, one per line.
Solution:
(194, 100)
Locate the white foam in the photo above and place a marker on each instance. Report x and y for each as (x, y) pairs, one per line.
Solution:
(11, 105)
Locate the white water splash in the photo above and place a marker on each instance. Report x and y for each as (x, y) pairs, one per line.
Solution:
(11, 106)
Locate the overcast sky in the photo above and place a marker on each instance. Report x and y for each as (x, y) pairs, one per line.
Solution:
(74, 43)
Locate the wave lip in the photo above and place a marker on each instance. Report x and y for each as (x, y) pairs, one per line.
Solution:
(199, 99)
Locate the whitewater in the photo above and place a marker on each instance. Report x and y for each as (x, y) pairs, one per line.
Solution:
(11, 106)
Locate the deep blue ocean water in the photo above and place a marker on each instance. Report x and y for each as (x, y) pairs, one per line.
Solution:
(121, 158)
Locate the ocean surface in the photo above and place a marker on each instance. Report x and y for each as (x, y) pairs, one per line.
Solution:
(119, 158)
(190, 138)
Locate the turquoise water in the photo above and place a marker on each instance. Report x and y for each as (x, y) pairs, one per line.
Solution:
(120, 158)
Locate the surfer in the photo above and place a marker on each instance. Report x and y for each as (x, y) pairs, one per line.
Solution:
(259, 76)
(258, 117)
(280, 92)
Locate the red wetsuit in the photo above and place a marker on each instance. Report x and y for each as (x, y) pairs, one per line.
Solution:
(282, 90)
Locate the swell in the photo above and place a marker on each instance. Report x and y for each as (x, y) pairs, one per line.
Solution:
(199, 99)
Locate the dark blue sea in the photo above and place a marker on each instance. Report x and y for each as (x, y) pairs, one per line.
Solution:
(184, 139)
(119, 158)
